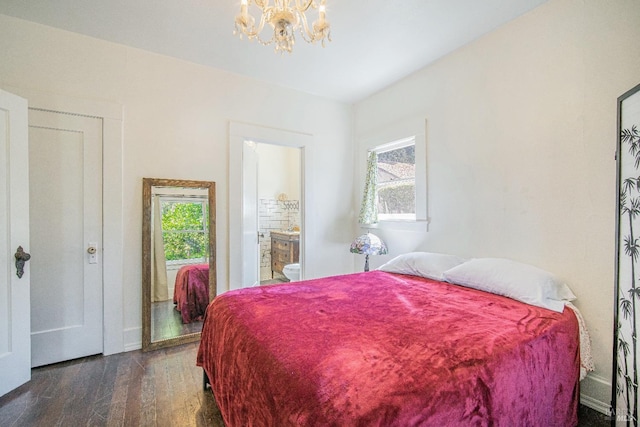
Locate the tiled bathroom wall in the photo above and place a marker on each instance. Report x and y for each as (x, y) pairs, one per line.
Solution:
(274, 215)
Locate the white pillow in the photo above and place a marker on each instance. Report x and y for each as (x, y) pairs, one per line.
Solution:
(423, 264)
(512, 279)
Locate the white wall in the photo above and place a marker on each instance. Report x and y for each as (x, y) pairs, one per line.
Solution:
(520, 149)
(278, 171)
(520, 143)
(176, 119)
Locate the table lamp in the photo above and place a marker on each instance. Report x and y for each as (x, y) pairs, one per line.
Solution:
(368, 244)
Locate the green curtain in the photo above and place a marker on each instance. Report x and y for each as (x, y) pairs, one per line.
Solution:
(369, 207)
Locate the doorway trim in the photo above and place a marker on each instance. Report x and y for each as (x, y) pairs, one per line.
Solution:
(112, 207)
(238, 133)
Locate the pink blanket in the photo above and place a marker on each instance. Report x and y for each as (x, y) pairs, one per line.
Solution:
(191, 292)
(381, 349)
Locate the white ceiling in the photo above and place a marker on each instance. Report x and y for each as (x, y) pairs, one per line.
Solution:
(375, 42)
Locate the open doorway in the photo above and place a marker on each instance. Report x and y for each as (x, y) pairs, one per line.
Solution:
(279, 213)
(266, 200)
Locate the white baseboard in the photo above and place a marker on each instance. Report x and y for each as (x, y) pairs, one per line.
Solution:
(595, 393)
(596, 405)
(132, 339)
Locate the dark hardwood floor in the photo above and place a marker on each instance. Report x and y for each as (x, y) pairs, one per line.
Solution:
(159, 388)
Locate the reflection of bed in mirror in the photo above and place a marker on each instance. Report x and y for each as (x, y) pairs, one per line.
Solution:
(191, 292)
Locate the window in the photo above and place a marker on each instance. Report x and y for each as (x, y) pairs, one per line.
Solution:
(396, 180)
(394, 177)
(185, 229)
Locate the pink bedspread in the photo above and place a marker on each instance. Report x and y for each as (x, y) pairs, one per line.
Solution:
(191, 292)
(381, 349)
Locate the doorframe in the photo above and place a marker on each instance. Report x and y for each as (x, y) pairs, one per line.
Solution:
(112, 202)
(238, 133)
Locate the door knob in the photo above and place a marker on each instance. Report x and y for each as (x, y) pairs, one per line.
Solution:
(21, 258)
(91, 250)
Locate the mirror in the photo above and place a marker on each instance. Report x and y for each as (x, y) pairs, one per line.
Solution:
(178, 259)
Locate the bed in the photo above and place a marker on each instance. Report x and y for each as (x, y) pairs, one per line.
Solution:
(191, 292)
(389, 349)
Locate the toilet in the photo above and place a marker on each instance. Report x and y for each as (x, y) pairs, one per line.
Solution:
(292, 272)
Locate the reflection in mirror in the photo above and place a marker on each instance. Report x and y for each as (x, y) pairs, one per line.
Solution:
(178, 260)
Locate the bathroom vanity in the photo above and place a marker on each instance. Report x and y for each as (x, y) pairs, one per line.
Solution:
(285, 249)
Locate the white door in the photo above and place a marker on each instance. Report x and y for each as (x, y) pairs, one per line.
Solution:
(15, 345)
(65, 163)
(250, 240)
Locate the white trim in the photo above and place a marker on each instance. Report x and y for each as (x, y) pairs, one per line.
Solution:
(595, 393)
(133, 338)
(596, 405)
(63, 103)
(401, 143)
(112, 208)
(417, 225)
(397, 217)
(238, 133)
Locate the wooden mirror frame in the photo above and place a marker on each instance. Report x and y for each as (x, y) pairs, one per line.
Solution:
(147, 186)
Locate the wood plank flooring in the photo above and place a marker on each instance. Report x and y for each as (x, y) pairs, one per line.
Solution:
(159, 388)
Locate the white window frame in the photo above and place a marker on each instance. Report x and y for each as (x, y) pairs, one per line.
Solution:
(396, 136)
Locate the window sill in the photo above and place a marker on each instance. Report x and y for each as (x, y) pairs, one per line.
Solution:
(414, 225)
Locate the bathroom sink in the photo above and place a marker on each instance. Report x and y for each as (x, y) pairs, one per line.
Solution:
(288, 232)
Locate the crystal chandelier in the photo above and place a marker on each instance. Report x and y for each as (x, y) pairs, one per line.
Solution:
(285, 17)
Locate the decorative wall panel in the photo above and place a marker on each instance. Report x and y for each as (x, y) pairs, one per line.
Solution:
(624, 401)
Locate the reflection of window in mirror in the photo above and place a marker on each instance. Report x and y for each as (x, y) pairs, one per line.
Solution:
(185, 229)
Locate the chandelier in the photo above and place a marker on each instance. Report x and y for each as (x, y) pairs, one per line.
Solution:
(285, 17)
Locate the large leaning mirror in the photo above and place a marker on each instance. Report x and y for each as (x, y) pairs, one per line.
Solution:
(178, 259)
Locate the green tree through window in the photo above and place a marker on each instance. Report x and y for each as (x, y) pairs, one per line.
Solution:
(185, 229)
